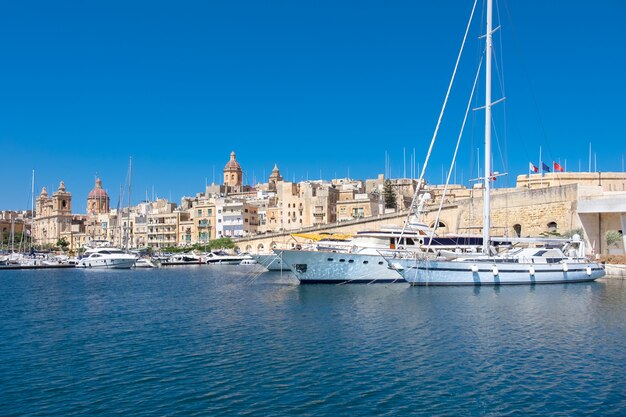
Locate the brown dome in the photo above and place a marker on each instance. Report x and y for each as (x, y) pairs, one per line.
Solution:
(98, 191)
(232, 165)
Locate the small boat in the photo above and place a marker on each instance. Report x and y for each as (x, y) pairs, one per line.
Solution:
(145, 263)
(182, 259)
(248, 261)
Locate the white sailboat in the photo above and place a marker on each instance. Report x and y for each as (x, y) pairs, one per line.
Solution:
(550, 262)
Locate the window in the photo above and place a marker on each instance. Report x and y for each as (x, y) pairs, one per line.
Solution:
(199, 212)
(552, 226)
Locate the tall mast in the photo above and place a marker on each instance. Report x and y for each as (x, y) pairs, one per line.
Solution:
(487, 173)
(32, 208)
(130, 170)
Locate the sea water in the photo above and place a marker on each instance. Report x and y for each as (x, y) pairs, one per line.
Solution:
(227, 340)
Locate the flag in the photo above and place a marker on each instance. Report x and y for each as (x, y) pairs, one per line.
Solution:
(533, 168)
(557, 167)
(545, 167)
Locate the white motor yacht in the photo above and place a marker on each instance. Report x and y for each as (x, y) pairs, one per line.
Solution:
(105, 257)
(223, 258)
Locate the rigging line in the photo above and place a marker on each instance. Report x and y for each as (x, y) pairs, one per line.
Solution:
(531, 88)
(502, 156)
(456, 150)
(443, 108)
(500, 70)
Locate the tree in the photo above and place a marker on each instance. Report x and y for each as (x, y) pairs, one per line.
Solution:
(389, 195)
(612, 238)
(579, 231)
(63, 244)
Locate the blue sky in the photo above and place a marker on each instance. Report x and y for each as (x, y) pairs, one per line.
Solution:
(316, 87)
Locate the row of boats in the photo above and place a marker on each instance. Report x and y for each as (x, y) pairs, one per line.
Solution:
(416, 255)
(105, 256)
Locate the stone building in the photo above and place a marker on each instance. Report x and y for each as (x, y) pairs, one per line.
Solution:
(162, 224)
(12, 224)
(53, 215)
(305, 204)
(203, 225)
(235, 218)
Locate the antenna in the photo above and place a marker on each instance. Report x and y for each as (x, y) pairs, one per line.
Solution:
(404, 162)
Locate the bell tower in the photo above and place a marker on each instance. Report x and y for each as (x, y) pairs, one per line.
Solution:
(233, 174)
(62, 201)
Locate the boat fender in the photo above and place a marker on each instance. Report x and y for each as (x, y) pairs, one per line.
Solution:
(589, 271)
(531, 270)
(495, 270)
(474, 268)
(565, 268)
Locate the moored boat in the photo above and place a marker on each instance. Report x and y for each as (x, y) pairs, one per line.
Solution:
(107, 257)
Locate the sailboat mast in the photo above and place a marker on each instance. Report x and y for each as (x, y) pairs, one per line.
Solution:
(487, 173)
(32, 208)
(130, 173)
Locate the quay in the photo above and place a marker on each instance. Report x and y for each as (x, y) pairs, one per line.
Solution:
(41, 266)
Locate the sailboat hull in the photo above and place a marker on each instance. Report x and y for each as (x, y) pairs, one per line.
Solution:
(424, 272)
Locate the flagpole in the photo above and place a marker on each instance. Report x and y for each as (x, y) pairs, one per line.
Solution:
(540, 166)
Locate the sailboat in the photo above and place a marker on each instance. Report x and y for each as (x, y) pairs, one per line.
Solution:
(549, 261)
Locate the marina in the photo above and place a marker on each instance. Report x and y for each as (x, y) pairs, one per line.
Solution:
(224, 340)
(442, 174)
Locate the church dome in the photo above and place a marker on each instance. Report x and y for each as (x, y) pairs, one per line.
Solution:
(98, 191)
(232, 165)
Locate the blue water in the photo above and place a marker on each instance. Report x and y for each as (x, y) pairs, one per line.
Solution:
(218, 340)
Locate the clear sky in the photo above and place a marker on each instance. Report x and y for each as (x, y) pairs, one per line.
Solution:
(318, 87)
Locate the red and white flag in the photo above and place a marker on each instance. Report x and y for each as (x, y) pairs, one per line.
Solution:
(557, 167)
(533, 168)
